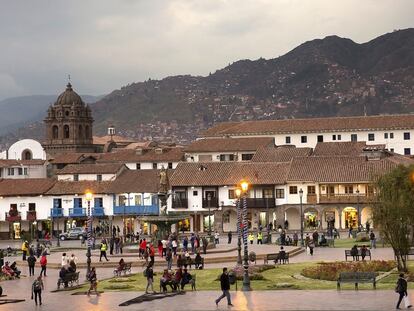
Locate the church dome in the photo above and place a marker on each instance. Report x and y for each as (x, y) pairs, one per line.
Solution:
(69, 98)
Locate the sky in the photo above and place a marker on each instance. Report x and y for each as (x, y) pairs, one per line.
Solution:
(106, 44)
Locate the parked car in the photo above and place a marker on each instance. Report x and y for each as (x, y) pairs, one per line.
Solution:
(75, 233)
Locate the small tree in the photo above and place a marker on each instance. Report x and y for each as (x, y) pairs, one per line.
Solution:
(394, 210)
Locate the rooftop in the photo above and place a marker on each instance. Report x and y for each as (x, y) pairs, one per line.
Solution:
(280, 154)
(144, 155)
(101, 168)
(229, 144)
(25, 187)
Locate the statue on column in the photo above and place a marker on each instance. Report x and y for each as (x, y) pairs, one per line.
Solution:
(163, 190)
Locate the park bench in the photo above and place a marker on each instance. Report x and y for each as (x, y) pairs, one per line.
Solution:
(348, 254)
(126, 269)
(410, 253)
(276, 258)
(178, 286)
(69, 278)
(356, 277)
(193, 262)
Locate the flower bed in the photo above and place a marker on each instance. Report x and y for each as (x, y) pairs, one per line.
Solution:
(330, 271)
(254, 272)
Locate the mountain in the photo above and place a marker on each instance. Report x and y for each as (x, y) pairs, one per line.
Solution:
(324, 77)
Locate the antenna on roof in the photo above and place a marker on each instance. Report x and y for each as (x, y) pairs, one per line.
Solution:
(365, 110)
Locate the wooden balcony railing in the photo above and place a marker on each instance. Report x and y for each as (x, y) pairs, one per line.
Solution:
(346, 198)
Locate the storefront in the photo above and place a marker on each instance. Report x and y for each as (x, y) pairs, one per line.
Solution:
(311, 219)
(350, 217)
(15, 230)
(184, 225)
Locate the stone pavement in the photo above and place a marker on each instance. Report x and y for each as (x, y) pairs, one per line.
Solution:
(256, 300)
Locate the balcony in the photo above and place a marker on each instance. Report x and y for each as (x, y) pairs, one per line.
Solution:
(137, 210)
(31, 215)
(213, 203)
(261, 202)
(180, 203)
(311, 199)
(14, 216)
(77, 212)
(345, 198)
(97, 211)
(56, 212)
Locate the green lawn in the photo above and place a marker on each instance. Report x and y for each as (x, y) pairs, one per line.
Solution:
(281, 277)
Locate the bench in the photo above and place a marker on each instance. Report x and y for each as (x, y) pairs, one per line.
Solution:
(69, 278)
(356, 277)
(348, 254)
(193, 262)
(126, 269)
(10, 252)
(178, 286)
(410, 253)
(275, 258)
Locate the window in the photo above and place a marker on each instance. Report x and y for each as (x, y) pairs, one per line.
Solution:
(311, 190)
(25, 171)
(66, 133)
(20, 171)
(392, 149)
(287, 139)
(138, 166)
(57, 203)
(320, 138)
(77, 202)
(76, 177)
(32, 206)
(97, 202)
(349, 189)
(99, 177)
(10, 171)
(80, 132)
(386, 135)
(280, 193)
(268, 193)
(333, 137)
(232, 194)
(170, 166)
(371, 136)
(138, 200)
(222, 157)
(55, 132)
(154, 166)
(339, 137)
(195, 193)
(293, 190)
(370, 190)
(27, 155)
(247, 156)
(354, 137)
(407, 151)
(391, 135)
(122, 200)
(304, 139)
(231, 157)
(226, 218)
(407, 136)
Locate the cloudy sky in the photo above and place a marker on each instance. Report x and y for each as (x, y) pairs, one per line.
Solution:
(104, 44)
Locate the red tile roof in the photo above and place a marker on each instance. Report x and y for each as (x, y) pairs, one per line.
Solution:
(228, 173)
(97, 168)
(280, 154)
(11, 162)
(79, 187)
(229, 144)
(73, 157)
(311, 125)
(349, 148)
(25, 187)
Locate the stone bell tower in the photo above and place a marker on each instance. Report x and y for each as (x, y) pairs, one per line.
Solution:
(69, 125)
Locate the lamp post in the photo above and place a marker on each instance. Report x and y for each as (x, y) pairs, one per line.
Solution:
(358, 211)
(88, 196)
(246, 279)
(209, 218)
(58, 238)
(238, 211)
(301, 218)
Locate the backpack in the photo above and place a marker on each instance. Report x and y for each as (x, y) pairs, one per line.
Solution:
(37, 286)
(145, 272)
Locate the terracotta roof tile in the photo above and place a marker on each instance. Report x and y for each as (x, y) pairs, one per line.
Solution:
(333, 124)
(229, 144)
(25, 187)
(79, 187)
(228, 173)
(72, 158)
(349, 148)
(11, 162)
(280, 154)
(97, 168)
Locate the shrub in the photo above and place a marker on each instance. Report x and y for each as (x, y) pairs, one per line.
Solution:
(330, 271)
(118, 286)
(120, 280)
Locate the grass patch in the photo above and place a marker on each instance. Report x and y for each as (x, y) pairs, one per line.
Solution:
(121, 280)
(348, 243)
(118, 286)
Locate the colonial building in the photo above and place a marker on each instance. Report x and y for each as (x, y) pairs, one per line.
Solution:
(394, 131)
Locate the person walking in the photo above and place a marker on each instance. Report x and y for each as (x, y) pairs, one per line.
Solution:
(25, 249)
(151, 254)
(216, 238)
(93, 280)
(169, 260)
(149, 273)
(37, 288)
(103, 249)
(229, 235)
(111, 245)
(43, 263)
(31, 261)
(259, 238)
(401, 289)
(295, 239)
(372, 239)
(225, 287)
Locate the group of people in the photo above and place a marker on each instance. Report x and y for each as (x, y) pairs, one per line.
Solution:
(176, 280)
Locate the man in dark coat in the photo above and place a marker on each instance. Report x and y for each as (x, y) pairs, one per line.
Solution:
(401, 289)
(225, 287)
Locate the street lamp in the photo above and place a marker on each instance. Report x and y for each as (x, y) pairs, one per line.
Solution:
(88, 197)
(238, 211)
(209, 218)
(246, 279)
(358, 211)
(301, 218)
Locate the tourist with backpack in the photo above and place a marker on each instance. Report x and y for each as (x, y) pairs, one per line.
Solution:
(37, 288)
(43, 263)
(31, 261)
(149, 274)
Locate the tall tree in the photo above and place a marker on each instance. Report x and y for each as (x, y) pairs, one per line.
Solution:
(394, 210)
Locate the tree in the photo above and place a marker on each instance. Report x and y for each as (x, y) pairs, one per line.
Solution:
(394, 210)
